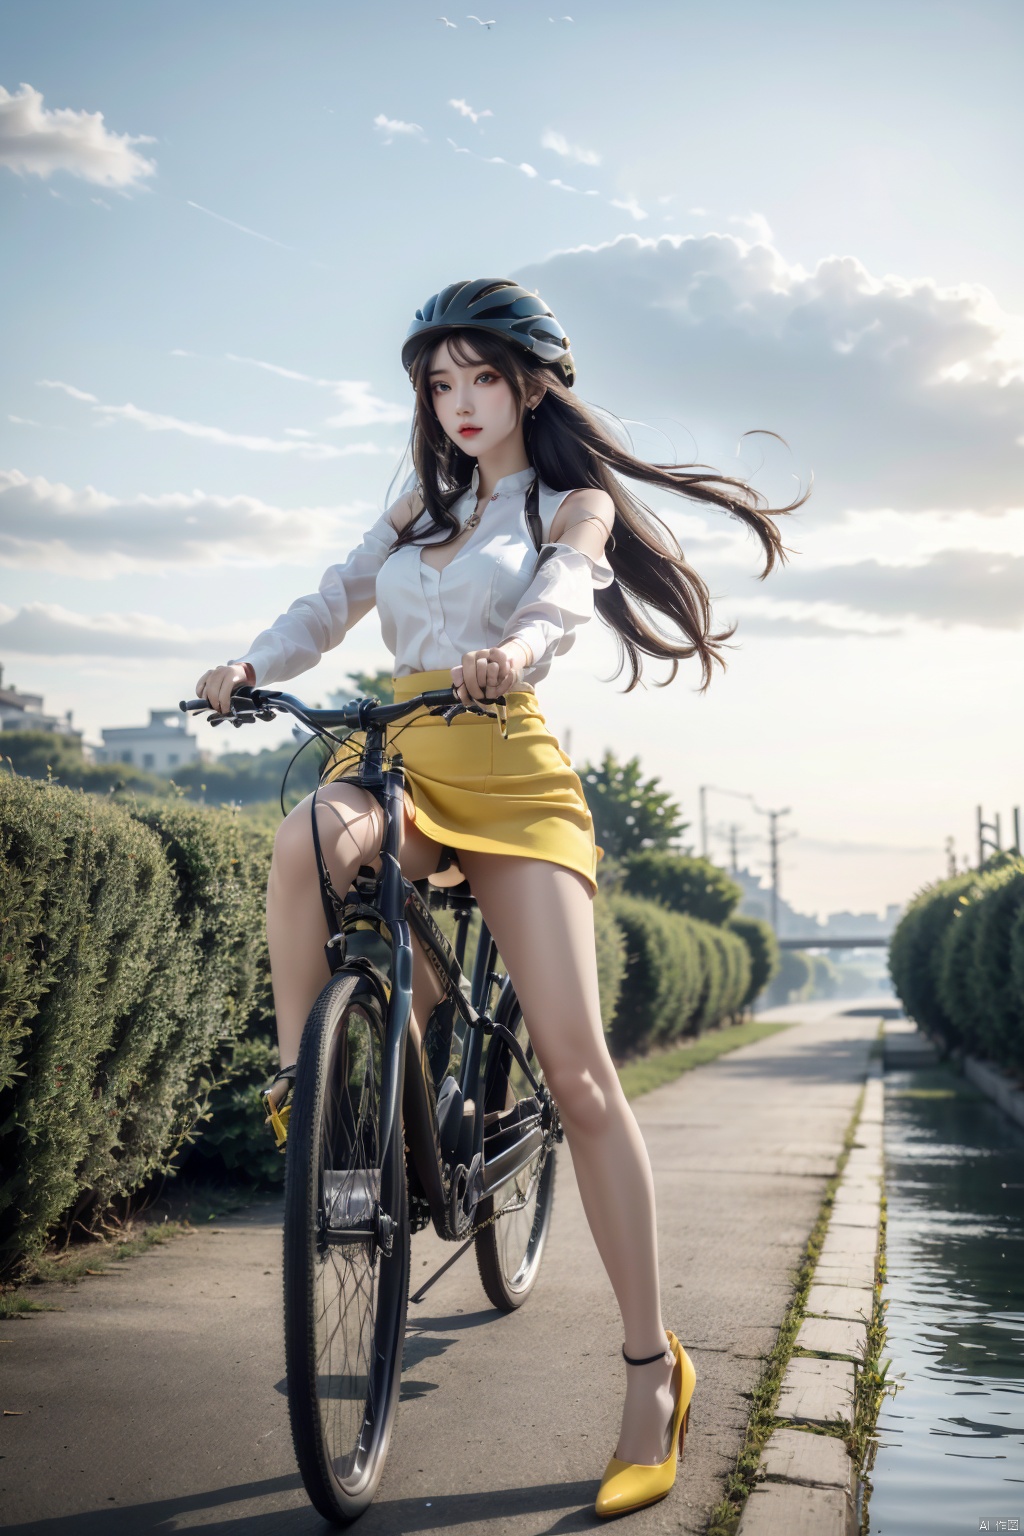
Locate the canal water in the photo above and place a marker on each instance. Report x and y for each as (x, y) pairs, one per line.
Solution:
(951, 1443)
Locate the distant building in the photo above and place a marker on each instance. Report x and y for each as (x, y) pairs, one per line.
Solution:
(757, 902)
(24, 712)
(161, 746)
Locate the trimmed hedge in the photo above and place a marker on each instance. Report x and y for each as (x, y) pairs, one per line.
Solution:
(611, 958)
(112, 1004)
(793, 980)
(759, 937)
(957, 960)
(682, 975)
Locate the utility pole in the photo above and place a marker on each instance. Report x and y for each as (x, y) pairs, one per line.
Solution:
(734, 852)
(774, 840)
(950, 857)
(1016, 829)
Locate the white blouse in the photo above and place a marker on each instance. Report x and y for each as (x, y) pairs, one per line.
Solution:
(495, 588)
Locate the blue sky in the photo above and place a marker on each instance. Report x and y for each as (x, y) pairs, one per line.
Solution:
(795, 217)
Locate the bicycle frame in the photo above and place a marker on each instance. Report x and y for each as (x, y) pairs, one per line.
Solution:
(450, 1160)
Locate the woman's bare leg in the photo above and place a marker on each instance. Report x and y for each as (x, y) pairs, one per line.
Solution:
(350, 824)
(541, 917)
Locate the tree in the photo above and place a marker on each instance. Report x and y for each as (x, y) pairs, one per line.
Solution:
(630, 813)
(379, 683)
(682, 883)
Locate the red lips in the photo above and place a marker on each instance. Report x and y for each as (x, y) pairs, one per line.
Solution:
(469, 431)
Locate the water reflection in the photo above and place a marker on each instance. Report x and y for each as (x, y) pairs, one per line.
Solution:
(951, 1444)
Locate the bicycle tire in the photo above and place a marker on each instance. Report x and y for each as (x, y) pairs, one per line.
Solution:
(344, 1304)
(509, 1251)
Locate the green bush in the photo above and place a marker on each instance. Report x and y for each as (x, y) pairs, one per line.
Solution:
(825, 976)
(957, 960)
(250, 778)
(661, 984)
(46, 755)
(132, 955)
(793, 980)
(763, 949)
(914, 952)
(681, 975)
(91, 952)
(999, 992)
(611, 958)
(737, 969)
(692, 886)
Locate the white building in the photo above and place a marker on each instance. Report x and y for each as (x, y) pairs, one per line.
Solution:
(24, 712)
(161, 746)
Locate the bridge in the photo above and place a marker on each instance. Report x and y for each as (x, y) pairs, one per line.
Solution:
(876, 941)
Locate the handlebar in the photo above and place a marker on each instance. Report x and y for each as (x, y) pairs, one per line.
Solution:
(264, 703)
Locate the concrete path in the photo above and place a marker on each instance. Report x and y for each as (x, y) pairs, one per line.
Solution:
(154, 1401)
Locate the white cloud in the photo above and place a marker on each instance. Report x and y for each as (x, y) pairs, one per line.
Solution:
(465, 110)
(36, 141)
(550, 139)
(720, 335)
(46, 629)
(954, 586)
(630, 206)
(69, 389)
(393, 128)
(522, 165)
(49, 526)
(360, 407)
(760, 229)
(156, 421)
(242, 228)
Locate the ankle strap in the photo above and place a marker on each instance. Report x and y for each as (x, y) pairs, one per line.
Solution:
(647, 1360)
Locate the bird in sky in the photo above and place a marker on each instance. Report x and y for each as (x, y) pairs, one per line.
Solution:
(487, 24)
(447, 22)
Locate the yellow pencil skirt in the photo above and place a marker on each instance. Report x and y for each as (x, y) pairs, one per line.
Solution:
(473, 788)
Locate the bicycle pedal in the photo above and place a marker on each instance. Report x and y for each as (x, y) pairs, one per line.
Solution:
(278, 1119)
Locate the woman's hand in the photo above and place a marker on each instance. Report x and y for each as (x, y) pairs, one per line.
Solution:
(217, 685)
(489, 674)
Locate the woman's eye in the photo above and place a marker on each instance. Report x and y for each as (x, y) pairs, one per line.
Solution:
(485, 376)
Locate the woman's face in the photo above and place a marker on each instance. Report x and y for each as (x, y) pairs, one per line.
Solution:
(472, 401)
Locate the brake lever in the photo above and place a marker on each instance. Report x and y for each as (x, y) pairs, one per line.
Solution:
(449, 713)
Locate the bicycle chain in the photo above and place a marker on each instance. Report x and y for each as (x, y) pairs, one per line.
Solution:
(506, 1209)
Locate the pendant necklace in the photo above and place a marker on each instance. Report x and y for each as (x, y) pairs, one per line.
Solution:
(475, 517)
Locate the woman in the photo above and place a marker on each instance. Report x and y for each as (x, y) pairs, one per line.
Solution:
(464, 597)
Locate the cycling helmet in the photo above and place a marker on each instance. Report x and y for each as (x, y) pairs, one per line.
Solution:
(494, 304)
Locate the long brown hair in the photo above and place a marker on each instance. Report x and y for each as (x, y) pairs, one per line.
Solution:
(569, 448)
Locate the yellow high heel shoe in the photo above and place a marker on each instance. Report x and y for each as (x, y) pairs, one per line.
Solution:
(629, 1485)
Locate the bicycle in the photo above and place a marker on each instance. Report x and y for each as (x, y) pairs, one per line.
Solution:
(387, 1133)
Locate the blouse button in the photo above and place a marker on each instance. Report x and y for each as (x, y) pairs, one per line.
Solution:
(495, 496)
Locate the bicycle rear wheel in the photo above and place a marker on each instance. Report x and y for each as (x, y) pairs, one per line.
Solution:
(344, 1299)
(509, 1251)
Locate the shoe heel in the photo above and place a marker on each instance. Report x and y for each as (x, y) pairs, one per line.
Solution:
(684, 1426)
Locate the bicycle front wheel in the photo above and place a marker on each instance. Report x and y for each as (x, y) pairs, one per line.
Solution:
(344, 1298)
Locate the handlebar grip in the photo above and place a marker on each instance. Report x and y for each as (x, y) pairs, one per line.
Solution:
(243, 693)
